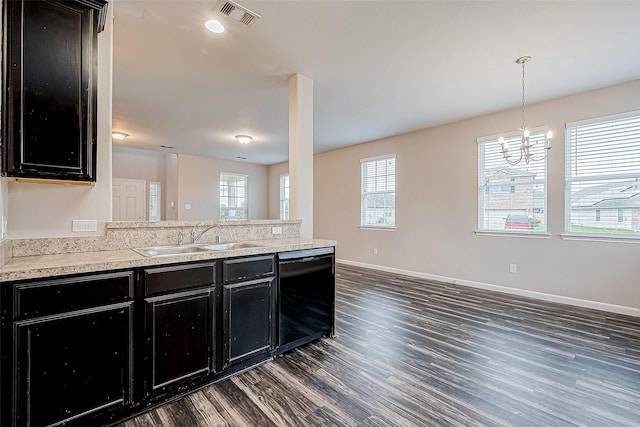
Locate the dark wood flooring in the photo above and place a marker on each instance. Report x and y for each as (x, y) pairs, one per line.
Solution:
(412, 352)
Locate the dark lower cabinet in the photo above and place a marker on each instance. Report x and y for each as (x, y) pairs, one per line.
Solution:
(71, 366)
(93, 349)
(180, 334)
(67, 350)
(247, 320)
(180, 327)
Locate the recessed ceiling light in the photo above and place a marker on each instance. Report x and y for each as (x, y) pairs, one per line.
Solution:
(119, 135)
(244, 139)
(214, 26)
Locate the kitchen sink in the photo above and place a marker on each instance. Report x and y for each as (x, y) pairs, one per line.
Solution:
(169, 250)
(228, 246)
(156, 251)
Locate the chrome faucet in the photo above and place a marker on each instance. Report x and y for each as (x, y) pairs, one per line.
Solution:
(195, 236)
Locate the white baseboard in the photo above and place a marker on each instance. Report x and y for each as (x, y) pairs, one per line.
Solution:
(620, 309)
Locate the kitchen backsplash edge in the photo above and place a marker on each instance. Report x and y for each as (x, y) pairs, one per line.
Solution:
(5, 252)
(126, 236)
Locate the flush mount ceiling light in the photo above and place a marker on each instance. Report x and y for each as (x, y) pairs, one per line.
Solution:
(526, 144)
(214, 26)
(244, 139)
(119, 135)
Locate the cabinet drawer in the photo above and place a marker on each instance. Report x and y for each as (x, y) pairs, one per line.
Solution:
(180, 277)
(234, 270)
(41, 298)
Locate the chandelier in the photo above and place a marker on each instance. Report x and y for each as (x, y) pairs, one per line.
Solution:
(526, 143)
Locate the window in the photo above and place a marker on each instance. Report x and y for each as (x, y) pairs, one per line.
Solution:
(512, 198)
(284, 196)
(378, 196)
(233, 196)
(154, 201)
(603, 175)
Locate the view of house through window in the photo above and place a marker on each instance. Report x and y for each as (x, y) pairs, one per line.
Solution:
(284, 196)
(154, 201)
(603, 175)
(511, 198)
(233, 196)
(378, 201)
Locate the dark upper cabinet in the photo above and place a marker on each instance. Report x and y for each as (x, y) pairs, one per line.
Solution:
(49, 123)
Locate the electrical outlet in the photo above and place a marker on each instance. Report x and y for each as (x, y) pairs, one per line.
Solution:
(513, 268)
(375, 251)
(276, 230)
(83, 225)
(187, 206)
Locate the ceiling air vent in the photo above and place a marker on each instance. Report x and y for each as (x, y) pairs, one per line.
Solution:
(238, 13)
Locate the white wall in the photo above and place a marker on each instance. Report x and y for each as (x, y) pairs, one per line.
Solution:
(147, 165)
(46, 210)
(171, 187)
(4, 186)
(199, 181)
(274, 188)
(436, 217)
(4, 208)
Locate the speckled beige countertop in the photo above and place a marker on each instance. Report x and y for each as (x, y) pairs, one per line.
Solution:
(38, 266)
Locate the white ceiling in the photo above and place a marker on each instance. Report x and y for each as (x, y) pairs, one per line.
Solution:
(380, 68)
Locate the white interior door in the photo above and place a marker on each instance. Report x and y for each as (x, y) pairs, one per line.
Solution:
(128, 200)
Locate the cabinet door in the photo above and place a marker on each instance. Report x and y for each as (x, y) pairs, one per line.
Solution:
(50, 119)
(180, 339)
(247, 320)
(72, 366)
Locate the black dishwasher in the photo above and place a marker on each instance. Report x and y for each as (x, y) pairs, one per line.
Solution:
(306, 290)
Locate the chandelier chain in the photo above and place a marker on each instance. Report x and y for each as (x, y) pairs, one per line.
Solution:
(523, 62)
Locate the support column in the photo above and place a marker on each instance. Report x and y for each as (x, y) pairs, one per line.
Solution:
(301, 152)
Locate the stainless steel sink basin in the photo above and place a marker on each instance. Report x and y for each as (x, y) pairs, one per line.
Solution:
(228, 246)
(169, 250)
(156, 251)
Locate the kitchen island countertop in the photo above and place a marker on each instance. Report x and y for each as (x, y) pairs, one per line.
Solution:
(39, 266)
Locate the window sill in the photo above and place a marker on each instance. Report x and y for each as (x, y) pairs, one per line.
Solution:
(371, 227)
(592, 237)
(528, 235)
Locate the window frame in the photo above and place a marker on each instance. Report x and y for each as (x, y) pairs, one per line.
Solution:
(363, 193)
(246, 197)
(494, 139)
(284, 211)
(604, 178)
(158, 200)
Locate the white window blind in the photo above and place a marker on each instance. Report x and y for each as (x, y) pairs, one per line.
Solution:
(603, 175)
(378, 195)
(512, 198)
(284, 196)
(233, 196)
